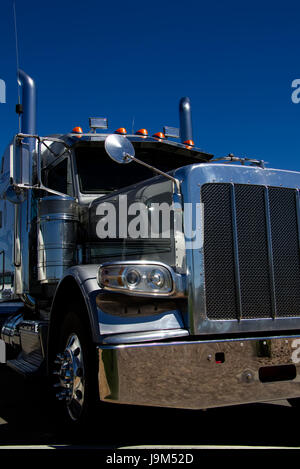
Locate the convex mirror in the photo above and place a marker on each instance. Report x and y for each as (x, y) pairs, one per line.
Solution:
(119, 148)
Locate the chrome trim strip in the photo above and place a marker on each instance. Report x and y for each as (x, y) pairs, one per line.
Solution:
(236, 252)
(144, 336)
(270, 252)
(197, 342)
(195, 268)
(232, 326)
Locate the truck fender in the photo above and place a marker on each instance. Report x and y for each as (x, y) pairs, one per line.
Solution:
(78, 286)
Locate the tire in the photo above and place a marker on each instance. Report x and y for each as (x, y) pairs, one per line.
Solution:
(73, 373)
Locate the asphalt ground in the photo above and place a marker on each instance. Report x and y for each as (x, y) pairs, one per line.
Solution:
(26, 422)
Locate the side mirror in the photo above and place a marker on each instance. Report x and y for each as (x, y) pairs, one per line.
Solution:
(20, 169)
(119, 148)
(21, 161)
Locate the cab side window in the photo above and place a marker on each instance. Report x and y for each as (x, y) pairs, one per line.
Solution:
(59, 177)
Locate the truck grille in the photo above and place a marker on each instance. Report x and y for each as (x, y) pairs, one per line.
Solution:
(251, 251)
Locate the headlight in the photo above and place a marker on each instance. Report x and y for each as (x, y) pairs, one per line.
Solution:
(132, 278)
(156, 278)
(136, 278)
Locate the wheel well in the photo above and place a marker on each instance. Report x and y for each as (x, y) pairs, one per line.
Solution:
(68, 298)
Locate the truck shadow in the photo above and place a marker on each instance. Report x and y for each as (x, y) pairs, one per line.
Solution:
(25, 419)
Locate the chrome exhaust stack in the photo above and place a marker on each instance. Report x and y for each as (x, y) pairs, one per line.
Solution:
(28, 103)
(185, 116)
(28, 127)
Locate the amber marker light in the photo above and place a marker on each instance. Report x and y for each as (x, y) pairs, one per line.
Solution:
(142, 132)
(121, 131)
(159, 136)
(120, 276)
(77, 130)
(189, 143)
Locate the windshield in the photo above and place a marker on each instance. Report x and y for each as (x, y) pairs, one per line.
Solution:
(97, 172)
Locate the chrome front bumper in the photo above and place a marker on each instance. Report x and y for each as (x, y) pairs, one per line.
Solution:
(200, 374)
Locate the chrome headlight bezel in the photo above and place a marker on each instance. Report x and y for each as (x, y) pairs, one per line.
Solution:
(114, 277)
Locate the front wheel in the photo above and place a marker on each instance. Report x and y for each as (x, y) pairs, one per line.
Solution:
(74, 371)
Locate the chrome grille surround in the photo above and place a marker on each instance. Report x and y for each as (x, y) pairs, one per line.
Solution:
(237, 184)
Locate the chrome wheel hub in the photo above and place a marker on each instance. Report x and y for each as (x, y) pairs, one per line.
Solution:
(70, 373)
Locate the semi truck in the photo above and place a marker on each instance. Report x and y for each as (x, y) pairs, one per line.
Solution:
(141, 270)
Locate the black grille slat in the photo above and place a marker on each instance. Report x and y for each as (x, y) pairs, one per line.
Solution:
(253, 252)
(285, 250)
(219, 252)
(251, 231)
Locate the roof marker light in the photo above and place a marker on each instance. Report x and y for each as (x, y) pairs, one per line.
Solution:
(143, 132)
(189, 143)
(121, 131)
(77, 130)
(159, 135)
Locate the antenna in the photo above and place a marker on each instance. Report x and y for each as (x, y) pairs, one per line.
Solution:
(19, 106)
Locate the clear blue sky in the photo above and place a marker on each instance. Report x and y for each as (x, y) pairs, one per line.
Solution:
(236, 60)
